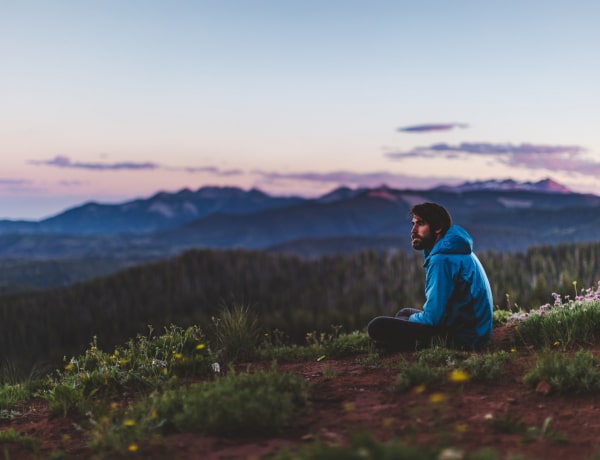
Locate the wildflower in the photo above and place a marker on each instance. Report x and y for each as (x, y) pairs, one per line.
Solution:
(133, 447)
(460, 428)
(387, 422)
(69, 366)
(348, 406)
(129, 422)
(200, 346)
(513, 350)
(178, 355)
(556, 343)
(458, 375)
(437, 398)
(419, 389)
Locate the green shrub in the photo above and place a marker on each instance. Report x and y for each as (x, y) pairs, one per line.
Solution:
(262, 402)
(566, 374)
(348, 345)
(485, 367)
(412, 375)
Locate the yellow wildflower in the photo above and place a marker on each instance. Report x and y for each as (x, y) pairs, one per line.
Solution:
(200, 346)
(419, 389)
(458, 375)
(133, 447)
(437, 398)
(460, 428)
(348, 406)
(557, 343)
(129, 422)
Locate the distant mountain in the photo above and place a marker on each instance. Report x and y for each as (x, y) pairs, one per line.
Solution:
(159, 212)
(500, 215)
(543, 186)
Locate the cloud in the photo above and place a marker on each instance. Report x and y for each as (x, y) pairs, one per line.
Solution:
(566, 158)
(14, 182)
(61, 161)
(431, 127)
(354, 179)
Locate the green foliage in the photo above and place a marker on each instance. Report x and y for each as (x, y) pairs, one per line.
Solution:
(291, 353)
(566, 374)
(65, 398)
(348, 345)
(412, 375)
(437, 365)
(486, 367)
(12, 436)
(363, 446)
(261, 402)
(265, 401)
(12, 394)
(142, 364)
(237, 333)
(500, 317)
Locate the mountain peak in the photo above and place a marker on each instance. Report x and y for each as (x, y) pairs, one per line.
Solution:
(547, 185)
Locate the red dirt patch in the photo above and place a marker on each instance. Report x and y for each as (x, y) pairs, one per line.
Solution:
(349, 396)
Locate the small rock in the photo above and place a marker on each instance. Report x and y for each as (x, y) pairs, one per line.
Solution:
(543, 388)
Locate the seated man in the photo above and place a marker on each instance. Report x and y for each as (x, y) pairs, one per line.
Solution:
(458, 306)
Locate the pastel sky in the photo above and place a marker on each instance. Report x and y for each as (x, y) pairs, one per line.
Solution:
(112, 100)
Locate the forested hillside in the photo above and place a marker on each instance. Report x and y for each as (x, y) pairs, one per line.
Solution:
(291, 294)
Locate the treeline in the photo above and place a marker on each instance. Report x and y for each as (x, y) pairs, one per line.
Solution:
(288, 293)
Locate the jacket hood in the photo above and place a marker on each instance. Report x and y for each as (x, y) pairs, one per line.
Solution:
(455, 241)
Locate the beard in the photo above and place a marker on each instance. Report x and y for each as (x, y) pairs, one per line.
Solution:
(420, 243)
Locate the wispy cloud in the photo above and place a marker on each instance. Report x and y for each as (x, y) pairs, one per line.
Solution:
(61, 161)
(431, 127)
(14, 182)
(566, 158)
(354, 179)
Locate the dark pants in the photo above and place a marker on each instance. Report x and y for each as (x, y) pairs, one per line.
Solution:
(396, 333)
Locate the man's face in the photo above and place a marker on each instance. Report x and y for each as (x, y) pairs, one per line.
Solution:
(422, 237)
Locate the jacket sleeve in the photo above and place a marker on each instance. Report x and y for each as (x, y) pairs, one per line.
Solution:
(439, 286)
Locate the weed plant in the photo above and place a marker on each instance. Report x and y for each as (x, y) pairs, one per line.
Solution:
(565, 374)
(237, 333)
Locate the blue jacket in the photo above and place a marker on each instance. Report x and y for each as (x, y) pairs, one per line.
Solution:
(457, 291)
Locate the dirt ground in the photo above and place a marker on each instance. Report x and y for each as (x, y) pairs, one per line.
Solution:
(349, 396)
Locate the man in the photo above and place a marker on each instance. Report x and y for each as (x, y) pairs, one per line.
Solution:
(458, 306)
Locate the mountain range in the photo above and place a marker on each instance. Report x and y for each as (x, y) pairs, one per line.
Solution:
(505, 216)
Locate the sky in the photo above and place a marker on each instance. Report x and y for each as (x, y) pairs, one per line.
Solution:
(114, 100)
